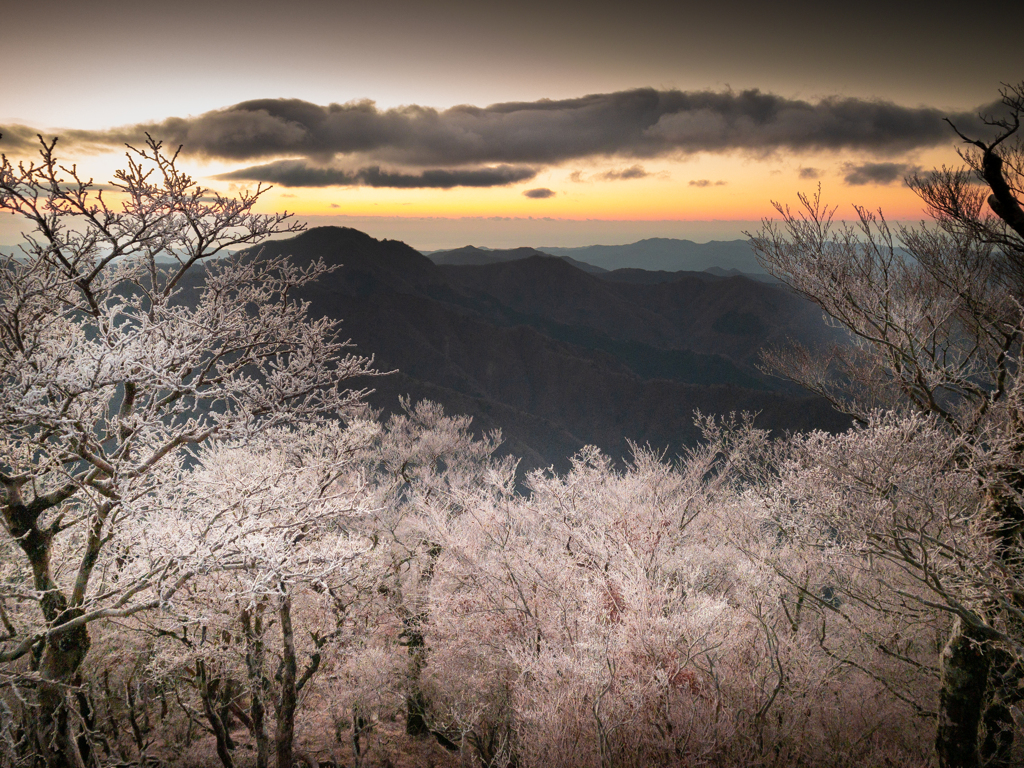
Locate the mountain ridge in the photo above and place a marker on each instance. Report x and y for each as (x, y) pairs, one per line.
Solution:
(551, 373)
(470, 255)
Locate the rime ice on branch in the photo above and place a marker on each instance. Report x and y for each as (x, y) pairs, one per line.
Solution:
(130, 335)
(936, 316)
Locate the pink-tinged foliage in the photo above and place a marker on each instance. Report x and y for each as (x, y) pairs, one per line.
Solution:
(635, 618)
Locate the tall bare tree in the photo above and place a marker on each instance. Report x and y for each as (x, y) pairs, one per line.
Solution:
(116, 359)
(936, 317)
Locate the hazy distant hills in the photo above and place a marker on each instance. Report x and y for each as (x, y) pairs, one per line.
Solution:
(554, 356)
(655, 259)
(668, 255)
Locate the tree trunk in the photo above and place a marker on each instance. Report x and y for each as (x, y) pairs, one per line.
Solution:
(416, 702)
(91, 729)
(255, 655)
(288, 701)
(964, 666)
(61, 654)
(1004, 693)
(56, 742)
(220, 731)
(998, 743)
(58, 667)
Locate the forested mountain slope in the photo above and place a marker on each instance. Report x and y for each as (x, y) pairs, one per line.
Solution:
(734, 316)
(553, 356)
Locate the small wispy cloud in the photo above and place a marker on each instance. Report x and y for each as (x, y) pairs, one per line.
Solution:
(707, 183)
(624, 174)
(539, 194)
(612, 174)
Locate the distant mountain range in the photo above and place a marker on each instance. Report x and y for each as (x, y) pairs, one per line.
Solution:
(661, 255)
(668, 255)
(557, 357)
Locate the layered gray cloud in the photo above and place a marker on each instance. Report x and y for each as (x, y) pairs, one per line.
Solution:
(356, 143)
(640, 123)
(877, 173)
(539, 194)
(810, 173)
(18, 139)
(300, 173)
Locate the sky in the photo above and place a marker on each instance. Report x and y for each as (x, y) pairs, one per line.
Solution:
(503, 124)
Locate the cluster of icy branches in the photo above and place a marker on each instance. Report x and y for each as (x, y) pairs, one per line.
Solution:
(757, 601)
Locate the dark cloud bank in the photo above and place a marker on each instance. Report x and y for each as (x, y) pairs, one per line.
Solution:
(342, 144)
(298, 173)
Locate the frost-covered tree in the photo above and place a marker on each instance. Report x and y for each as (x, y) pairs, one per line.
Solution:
(130, 334)
(631, 617)
(936, 318)
(424, 456)
(279, 529)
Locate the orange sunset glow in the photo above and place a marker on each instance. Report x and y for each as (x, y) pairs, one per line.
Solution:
(463, 114)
